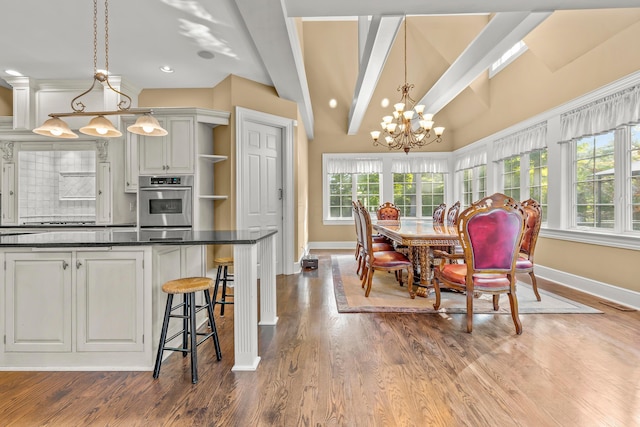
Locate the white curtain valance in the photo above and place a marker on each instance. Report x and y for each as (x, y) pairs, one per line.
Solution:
(471, 160)
(525, 141)
(602, 115)
(419, 165)
(354, 165)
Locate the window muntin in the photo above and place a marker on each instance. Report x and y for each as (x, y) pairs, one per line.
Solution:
(473, 184)
(594, 181)
(467, 187)
(538, 179)
(511, 177)
(368, 190)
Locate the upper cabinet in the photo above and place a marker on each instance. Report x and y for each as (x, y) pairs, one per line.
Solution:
(170, 154)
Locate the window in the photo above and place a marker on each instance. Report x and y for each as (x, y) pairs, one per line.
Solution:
(474, 184)
(511, 177)
(507, 58)
(634, 178)
(538, 179)
(594, 181)
(414, 183)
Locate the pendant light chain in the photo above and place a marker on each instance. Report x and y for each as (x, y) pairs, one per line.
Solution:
(106, 36)
(95, 37)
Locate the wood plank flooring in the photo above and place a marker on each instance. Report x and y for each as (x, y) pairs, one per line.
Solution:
(322, 368)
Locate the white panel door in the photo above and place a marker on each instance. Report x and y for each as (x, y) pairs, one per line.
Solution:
(38, 302)
(263, 195)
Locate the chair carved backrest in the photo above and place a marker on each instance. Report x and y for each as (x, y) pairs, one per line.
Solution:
(366, 230)
(438, 213)
(388, 211)
(356, 220)
(452, 215)
(532, 228)
(490, 233)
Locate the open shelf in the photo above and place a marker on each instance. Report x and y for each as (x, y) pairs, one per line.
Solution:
(212, 158)
(211, 197)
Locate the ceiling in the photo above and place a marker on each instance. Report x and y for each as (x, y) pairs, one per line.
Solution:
(254, 39)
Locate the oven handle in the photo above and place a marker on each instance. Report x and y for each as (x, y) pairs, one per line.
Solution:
(165, 188)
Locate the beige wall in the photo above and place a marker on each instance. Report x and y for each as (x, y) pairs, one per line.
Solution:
(6, 102)
(591, 55)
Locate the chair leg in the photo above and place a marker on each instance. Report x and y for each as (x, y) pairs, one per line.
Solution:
(224, 290)
(163, 336)
(534, 284)
(193, 337)
(513, 301)
(185, 323)
(212, 324)
(369, 280)
(496, 301)
(469, 311)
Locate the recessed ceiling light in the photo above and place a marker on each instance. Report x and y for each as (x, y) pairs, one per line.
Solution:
(205, 54)
(384, 103)
(166, 69)
(333, 103)
(13, 73)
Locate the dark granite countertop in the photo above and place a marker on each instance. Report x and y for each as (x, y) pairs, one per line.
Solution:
(78, 226)
(103, 238)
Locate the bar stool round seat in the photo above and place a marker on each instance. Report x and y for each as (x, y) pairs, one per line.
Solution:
(223, 276)
(188, 287)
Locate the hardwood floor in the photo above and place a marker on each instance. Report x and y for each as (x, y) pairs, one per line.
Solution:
(323, 368)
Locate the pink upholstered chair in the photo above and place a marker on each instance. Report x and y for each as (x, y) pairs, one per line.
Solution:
(388, 211)
(490, 234)
(529, 240)
(390, 260)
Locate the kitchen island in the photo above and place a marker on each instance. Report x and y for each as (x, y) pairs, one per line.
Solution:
(92, 300)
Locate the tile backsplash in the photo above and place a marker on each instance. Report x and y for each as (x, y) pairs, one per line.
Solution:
(56, 186)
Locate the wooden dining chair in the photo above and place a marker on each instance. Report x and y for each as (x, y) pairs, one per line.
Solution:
(388, 212)
(452, 214)
(379, 243)
(438, 213)
(525, 264)
(490, 233)
(387, 260)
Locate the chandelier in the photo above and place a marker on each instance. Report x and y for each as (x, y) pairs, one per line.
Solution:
(101, 126)
(399, 130)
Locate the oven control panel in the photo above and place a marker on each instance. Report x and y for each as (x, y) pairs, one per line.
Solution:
(166, 180)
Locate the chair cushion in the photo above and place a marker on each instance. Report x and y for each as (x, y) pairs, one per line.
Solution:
(378, 247)
(389, 259)
(523, 264)
(379, 239)
(457, 273)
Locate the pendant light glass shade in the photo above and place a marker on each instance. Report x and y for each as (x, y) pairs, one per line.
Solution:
(147, 125)
(56, 128)
(102, 127)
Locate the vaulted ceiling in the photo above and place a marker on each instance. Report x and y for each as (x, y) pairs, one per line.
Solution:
(206, 40)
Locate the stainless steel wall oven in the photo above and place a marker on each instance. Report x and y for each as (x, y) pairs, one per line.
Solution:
(165, 201)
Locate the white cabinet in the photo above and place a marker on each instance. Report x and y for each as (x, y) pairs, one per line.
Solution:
(38, 302)
(170, 154)
(77, 302)
(9, 202)
(110, 299)
(130, 158)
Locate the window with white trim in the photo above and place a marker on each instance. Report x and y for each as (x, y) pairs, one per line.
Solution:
(511, 177)
(634, 178)
(473, 183)
(407, 187)
(538, 179)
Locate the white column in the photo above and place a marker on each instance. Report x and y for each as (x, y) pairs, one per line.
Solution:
(268, 306)
(245, 307)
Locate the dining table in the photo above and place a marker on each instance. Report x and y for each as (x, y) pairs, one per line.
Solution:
(419, 236)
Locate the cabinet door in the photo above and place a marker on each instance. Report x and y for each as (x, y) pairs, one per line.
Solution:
(9, 205)
(110, 301)
(151, 152)
(180, 145)
(103, 193)
(38, 302)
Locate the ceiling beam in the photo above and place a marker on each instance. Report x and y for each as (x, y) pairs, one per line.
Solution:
(276, 37)
(501, 33)
(382, 32)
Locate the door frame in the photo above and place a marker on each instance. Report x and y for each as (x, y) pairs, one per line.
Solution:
(286, 125)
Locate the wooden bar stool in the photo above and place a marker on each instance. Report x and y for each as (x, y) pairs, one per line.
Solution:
(187, 287)
(223, 276)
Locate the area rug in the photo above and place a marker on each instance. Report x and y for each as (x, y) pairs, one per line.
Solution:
(387, 296)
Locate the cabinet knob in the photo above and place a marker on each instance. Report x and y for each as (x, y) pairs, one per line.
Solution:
(78, 264)
(99, 192)
(65, 264)
(11, 192)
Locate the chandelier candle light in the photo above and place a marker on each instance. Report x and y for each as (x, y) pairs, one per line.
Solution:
(101, 126)
(398, 130)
